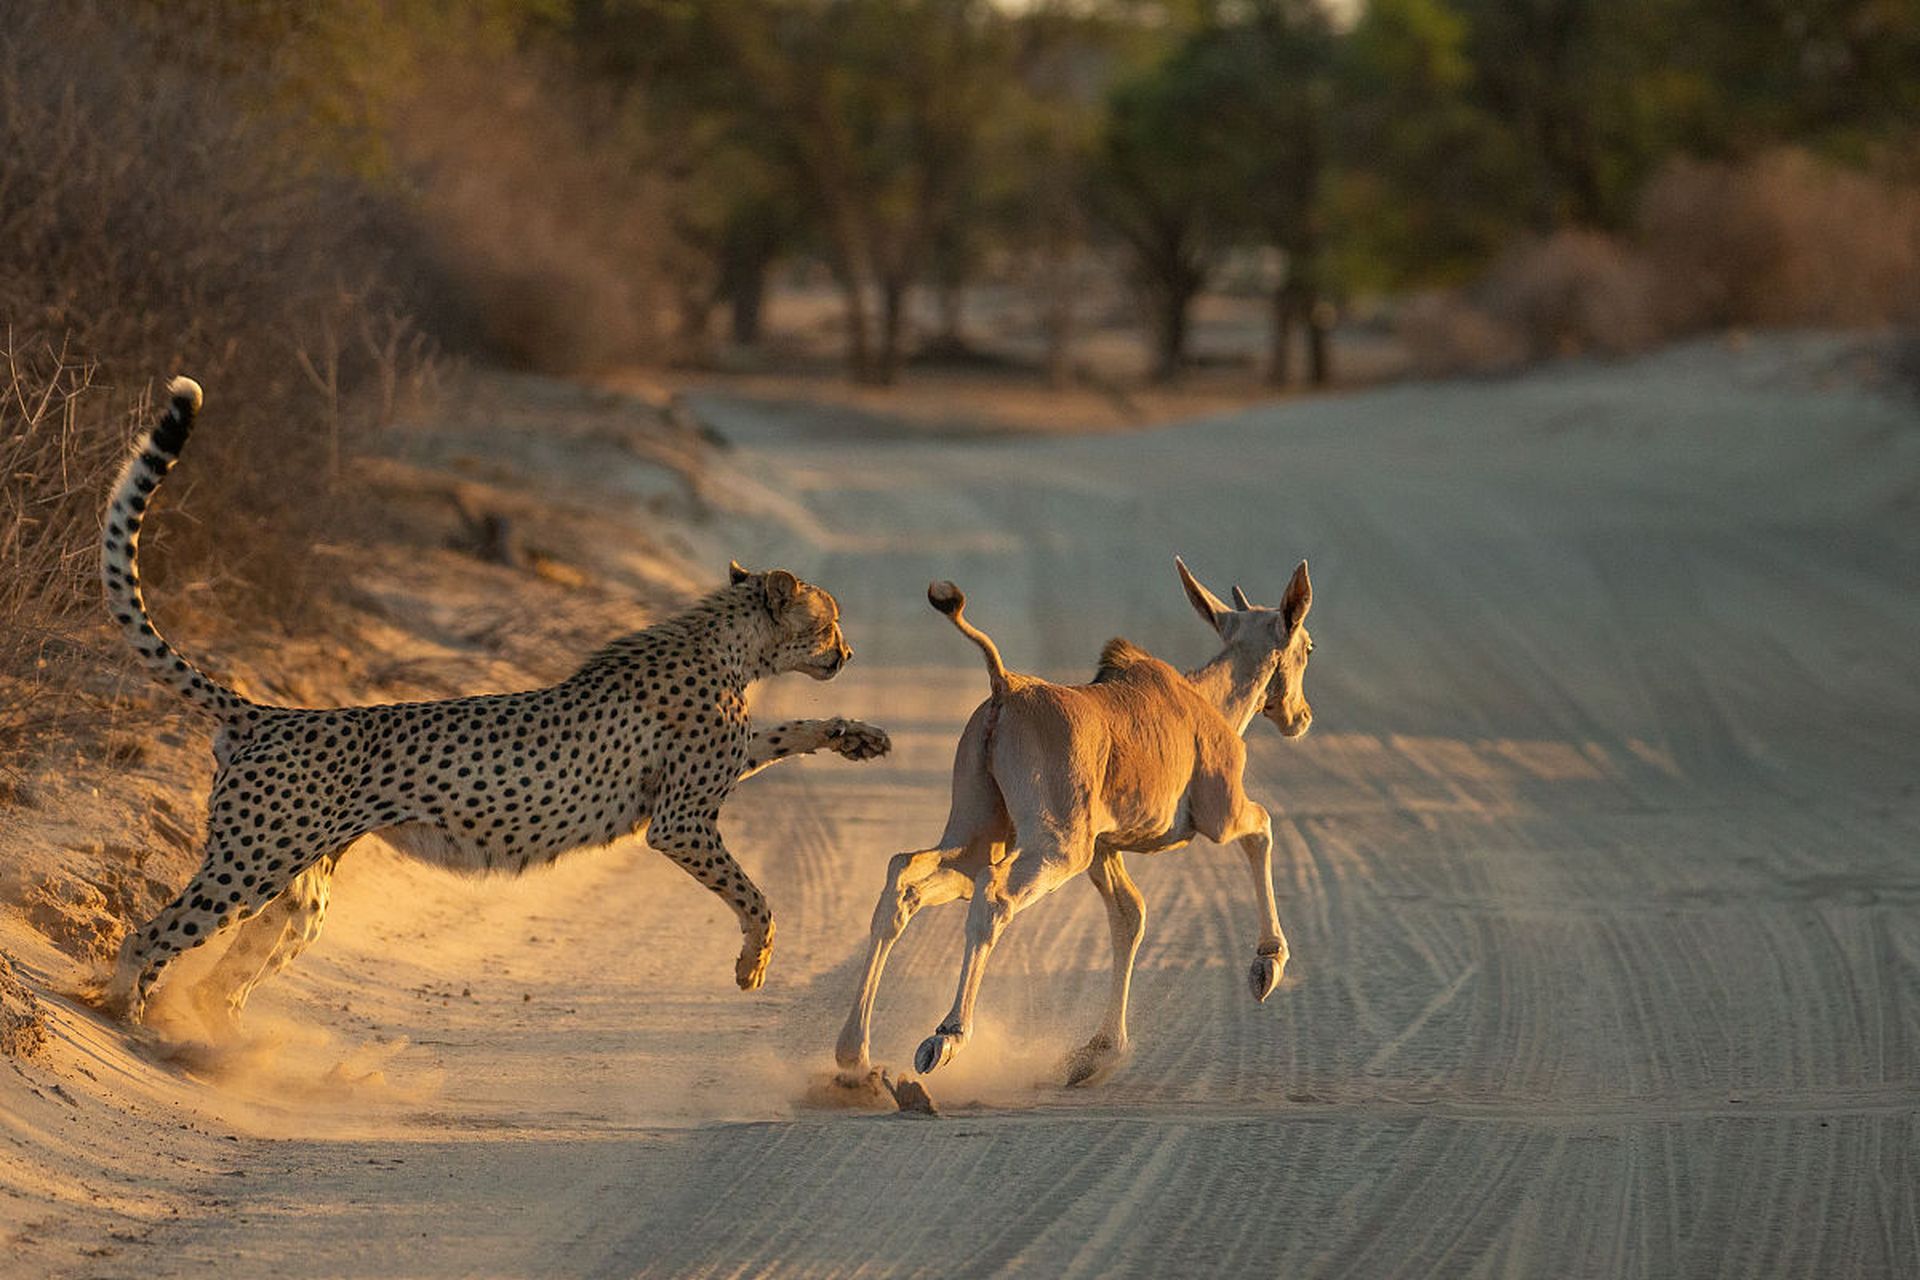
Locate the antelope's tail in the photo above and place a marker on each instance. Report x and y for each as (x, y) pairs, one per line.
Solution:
(950, 600)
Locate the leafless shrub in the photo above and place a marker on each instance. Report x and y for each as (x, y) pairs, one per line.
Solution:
(53, 439)
(1571, 293)
(154, 220)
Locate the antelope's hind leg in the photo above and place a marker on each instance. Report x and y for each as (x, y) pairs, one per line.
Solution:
(916, 880)
(978, 830)
(1127, 923)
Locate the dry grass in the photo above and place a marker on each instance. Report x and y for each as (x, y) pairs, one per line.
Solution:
(149, 224)
(194, 190)
(52, 443)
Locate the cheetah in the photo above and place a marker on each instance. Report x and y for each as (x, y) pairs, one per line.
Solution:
(648, 736)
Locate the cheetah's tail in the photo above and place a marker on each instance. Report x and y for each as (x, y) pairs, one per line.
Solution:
(950, 600)
(153, 457)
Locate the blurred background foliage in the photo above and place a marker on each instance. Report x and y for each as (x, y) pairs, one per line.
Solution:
(674, 155)
(1363, 150)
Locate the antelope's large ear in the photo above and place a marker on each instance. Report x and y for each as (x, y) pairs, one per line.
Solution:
(735, 573)
(1205, 603)
(782, 587)
(1299, 597)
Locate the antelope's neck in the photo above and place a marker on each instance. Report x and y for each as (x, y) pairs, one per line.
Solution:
(1236, 688)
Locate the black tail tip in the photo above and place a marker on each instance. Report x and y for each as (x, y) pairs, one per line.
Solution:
(945, 597)
(186, 395)
(170, 436)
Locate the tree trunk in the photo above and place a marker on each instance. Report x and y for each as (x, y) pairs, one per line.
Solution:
(950, 297)
(859, 335)
(1319, 317)
(893, 298)
(1170, 354)
(745, 284)
(695, 313)
(1057, 326)
(1280, 337)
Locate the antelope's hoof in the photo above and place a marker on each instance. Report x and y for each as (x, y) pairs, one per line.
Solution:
(935, 1052)
(1092, 1061)
(869, 1086)
(1265, 975)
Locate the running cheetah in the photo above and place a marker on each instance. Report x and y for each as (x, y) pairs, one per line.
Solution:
(651, 734)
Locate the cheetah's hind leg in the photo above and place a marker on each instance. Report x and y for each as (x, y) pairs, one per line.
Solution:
(263, 946)
(231, 886)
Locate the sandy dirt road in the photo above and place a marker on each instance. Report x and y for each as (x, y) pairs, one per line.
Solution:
(1601, 872)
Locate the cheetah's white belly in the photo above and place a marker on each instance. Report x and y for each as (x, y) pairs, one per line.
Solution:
(473, 854)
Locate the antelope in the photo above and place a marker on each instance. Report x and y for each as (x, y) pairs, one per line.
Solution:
(1052, 780)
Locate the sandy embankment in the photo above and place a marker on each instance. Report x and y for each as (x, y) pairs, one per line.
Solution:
(1598, 873)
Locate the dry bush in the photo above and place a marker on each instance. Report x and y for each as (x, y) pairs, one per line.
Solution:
(556, 243)
(53, 441)
(1446, 334)
(1784, 239)
(1571, 293)
(151, 223)
(269, 199)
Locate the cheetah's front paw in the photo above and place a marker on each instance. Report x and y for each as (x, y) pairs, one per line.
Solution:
(857, 740)
(750, 970)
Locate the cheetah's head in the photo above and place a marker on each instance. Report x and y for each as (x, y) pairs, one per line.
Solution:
(806, 623)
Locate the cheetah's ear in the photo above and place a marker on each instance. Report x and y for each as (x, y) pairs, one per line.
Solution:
(735, 573)
(781, 588)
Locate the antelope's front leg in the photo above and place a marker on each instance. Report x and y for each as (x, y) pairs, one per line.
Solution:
(691, 837)
(1270, 956)
(854, 739)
